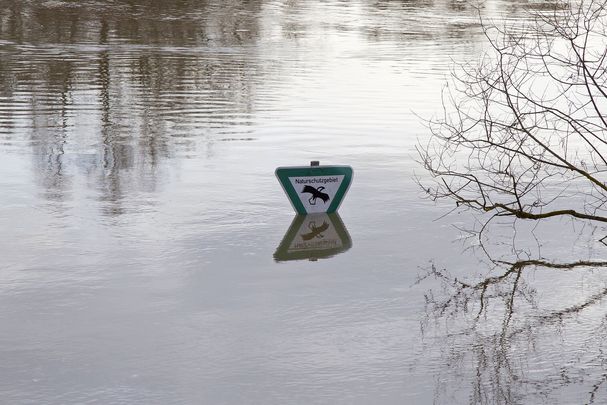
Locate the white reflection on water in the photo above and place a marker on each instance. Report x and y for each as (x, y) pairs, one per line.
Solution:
(138, 142)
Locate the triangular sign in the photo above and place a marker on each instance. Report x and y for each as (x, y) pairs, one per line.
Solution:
(314, 189)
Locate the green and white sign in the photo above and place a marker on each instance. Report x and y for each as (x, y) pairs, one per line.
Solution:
(315, 189)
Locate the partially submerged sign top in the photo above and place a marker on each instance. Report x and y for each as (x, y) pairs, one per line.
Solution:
(314, 189)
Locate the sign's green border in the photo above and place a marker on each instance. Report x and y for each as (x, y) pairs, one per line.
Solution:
(282, 252)
(284, 173)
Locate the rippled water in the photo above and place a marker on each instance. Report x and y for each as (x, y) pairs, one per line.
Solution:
(141, 222)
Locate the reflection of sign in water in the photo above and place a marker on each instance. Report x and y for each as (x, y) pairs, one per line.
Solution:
(313, 189)
(314, 236)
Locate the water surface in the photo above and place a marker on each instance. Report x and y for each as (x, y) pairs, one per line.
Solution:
(140, 215)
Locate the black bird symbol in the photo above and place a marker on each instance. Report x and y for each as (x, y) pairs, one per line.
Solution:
(316, 193)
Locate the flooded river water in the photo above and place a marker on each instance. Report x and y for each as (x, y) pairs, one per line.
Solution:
(141, 223)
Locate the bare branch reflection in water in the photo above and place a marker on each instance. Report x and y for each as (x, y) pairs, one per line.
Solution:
(535, 331)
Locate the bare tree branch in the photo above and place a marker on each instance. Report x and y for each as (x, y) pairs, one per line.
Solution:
(523, 132)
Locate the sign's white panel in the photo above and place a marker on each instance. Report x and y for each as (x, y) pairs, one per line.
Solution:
(316, 192)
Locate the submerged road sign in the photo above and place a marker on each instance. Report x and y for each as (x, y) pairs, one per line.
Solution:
(313, 237)
(314, 189)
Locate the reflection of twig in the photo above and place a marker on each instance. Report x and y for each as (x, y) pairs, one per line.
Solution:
(563, 266)
(496, 374)
(514, 268)
(559, 315)
(595, 389)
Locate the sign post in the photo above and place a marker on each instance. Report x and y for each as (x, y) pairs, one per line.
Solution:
(315, 189)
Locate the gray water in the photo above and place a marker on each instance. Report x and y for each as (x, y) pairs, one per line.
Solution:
(140, 217)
